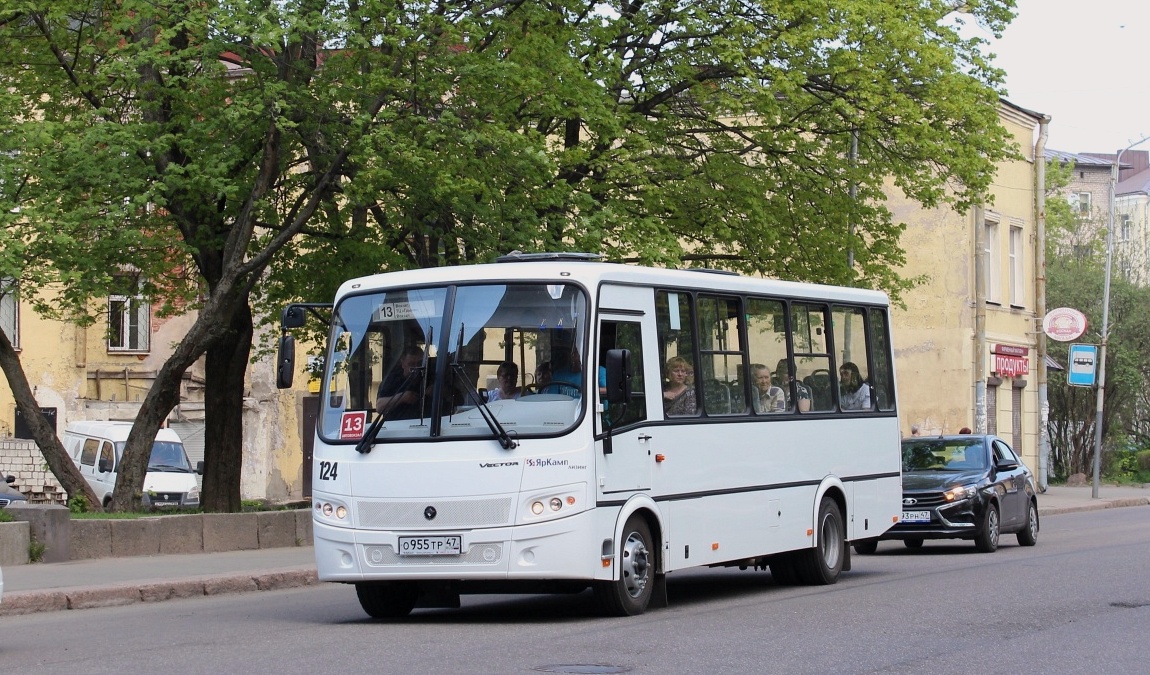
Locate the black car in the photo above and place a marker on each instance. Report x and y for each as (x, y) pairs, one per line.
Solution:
(9, 494)
(969, 486)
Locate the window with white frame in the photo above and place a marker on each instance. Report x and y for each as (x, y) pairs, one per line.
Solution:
(993, 263)
(1016, 260)
(128, 323)
(1123, 232)
(10, 312)
(1080, 202)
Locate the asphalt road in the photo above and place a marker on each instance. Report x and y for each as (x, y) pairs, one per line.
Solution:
(1079, 602)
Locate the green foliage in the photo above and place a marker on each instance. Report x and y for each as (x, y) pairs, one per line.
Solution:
(211, 150)
(77, 504)
(36, 550)
(1075, 273)
(5, 517)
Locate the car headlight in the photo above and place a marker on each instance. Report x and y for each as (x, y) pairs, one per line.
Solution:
(194, 494)
(961, 492)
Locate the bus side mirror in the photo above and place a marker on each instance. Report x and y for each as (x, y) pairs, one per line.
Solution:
(293, 316)
(618, 375)
(285, 362)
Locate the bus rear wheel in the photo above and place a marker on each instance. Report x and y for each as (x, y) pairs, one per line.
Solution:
(387, 599)
(630, 592)
(821, 564)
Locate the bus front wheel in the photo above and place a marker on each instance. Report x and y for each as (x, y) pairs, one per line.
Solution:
(630, 592)
(386, 600)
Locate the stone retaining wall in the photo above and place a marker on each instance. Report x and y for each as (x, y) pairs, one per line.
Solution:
(158, 535)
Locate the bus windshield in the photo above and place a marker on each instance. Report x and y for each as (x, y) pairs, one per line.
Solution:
(456, 361)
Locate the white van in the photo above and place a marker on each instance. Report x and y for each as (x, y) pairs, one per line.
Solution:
(96, 449)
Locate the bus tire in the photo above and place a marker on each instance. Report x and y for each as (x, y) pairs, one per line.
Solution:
(630, 592)
(821, 564)
(386, 600)
(866, 546)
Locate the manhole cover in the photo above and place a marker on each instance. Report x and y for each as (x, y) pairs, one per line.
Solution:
(582, 668)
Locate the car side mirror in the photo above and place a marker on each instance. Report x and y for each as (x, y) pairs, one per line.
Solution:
(200, 467)
(1006, 465)
(105, 466)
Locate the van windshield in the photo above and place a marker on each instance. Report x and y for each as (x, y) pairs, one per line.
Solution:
(166, 456)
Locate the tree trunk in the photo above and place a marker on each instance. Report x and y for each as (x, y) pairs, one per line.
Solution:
(226, 366)
(61, 466)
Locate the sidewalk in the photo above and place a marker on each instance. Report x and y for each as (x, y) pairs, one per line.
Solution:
(107, 582)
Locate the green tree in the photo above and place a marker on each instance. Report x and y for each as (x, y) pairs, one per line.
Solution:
(1075, 273)
(226, 144)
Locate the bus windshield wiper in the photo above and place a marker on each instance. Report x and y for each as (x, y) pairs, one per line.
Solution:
(497, 429)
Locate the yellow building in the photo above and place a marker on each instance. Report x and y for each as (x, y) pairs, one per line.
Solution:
(104, 371)
(967, 345)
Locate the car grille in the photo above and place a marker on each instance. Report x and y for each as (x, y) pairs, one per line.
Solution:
(4, 501)
(925, 500)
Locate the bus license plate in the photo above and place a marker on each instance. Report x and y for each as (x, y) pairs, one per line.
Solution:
(441, 545)
(916, 516)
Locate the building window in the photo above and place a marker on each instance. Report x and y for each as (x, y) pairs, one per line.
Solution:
(1123, 232)
(1016, 256)
(992, 262)
(128, 323)
(1080, 202)
(10, 312)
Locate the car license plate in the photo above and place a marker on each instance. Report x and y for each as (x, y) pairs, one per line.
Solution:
(915, 517)
(449, 544)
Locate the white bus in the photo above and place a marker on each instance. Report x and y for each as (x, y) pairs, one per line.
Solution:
(690, 418)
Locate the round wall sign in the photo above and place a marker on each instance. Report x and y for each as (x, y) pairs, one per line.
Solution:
(1064, 324)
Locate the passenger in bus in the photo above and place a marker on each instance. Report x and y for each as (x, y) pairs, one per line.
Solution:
(678, 396)
(542, 377)
(801, 392)
(399, 391)
(767, 397)
(854, 394)
(570, 372)
(507, 390)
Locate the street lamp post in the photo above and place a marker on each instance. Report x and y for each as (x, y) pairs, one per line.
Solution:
(1106, 316)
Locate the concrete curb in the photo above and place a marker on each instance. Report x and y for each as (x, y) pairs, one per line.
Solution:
(1108, 504)
(32, 602)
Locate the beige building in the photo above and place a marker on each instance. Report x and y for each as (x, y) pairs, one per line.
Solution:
(966, 345)
(104, 371)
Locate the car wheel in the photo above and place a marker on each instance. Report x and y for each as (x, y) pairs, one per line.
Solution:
(866, 546)
(386, 600)
(821, 565)
(912, 543)
(986, 540)
(1028, 536)
(630, 593)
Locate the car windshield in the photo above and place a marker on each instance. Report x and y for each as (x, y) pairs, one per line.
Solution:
(943, 455)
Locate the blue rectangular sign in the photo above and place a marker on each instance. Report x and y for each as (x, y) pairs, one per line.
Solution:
(1082, 361)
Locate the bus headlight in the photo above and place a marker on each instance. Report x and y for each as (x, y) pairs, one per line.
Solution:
(563, 502)
(331, 512)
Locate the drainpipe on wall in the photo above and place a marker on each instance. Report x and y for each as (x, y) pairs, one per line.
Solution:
(979, 321)
(1040, 298)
